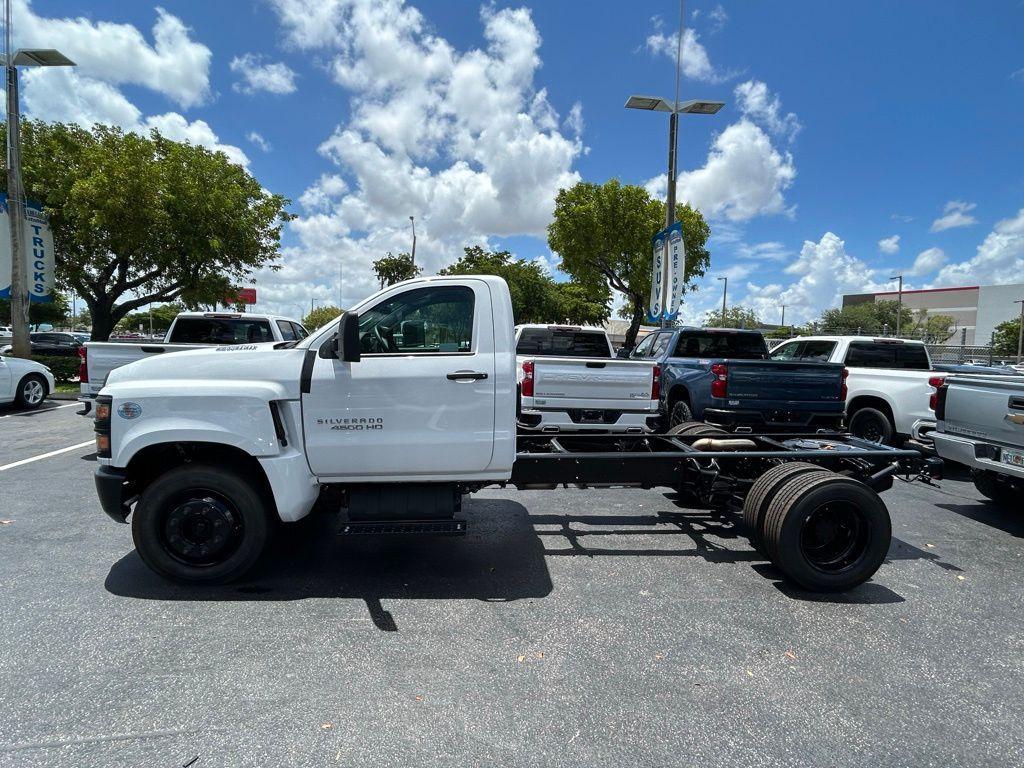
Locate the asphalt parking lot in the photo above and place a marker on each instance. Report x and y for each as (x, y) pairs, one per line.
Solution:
(568, 628)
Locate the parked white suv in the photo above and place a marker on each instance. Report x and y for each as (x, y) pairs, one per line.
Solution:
(889, 382)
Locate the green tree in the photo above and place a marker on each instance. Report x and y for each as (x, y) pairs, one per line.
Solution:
(319, 317)
(603, 234)
(536, 297)
(163, 315)
(735, 317)
(933, 329)
(54, 312)
(141, 219)
(1005, 337)
(394, 269)
(870, 317)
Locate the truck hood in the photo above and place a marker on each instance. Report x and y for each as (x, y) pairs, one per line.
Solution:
(257, 364)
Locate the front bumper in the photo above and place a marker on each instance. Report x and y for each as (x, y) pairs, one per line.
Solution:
(973, 453)
(110, 487)
(88, 405)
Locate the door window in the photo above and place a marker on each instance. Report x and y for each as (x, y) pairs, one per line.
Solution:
(434, 320)
(287, 330)
(641, 349)
(660, 345)
(788, 351)
(866, 354)
(300, 332)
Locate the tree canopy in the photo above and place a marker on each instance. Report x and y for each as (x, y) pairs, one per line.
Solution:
(735, 317)
(1005, 337)
(53, 312)
(140, 219)
(319, 317)
(394, 269)
(536, 296)
(879, 317)
(602, 232)
(162, 317)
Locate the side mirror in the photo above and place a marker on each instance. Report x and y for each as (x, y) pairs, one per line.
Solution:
(343, 344)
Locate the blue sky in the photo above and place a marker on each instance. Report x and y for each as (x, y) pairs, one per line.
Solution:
(845, 125)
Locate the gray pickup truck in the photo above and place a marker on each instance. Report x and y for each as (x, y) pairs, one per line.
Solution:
(980, 424)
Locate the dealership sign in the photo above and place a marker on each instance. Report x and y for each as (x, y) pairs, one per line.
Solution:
(668, 274)
(37, 244)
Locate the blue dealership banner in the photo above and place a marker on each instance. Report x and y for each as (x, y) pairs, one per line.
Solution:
(668, 274)
(40, 264)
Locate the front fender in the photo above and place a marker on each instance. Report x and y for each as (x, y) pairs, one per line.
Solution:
(193, 411)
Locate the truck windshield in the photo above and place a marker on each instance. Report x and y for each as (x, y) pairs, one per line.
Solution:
(738, 346)
(220, 330)
(563, 343)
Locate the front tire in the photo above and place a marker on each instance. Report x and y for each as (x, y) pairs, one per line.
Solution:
(199, 524)
(873, 425)
(32, 391)
(681, 413)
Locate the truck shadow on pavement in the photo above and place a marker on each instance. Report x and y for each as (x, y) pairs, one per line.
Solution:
(500, 559)
(708, 530)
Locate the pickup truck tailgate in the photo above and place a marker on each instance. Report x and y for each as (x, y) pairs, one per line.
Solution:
(105, 356)
(991, 408)
(597, 383)
(783, 381)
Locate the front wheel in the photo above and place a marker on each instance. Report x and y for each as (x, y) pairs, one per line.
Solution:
(32, 390)
(199, 524)
(872, 424)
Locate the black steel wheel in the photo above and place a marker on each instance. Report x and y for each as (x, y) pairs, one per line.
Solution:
(872, 424)
(761, 493)
(826, 532)
(201, 524)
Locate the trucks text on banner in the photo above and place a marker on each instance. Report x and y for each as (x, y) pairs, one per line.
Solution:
(39, 257)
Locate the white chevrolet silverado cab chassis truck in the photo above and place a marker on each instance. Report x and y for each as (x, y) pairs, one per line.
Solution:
(408, 402)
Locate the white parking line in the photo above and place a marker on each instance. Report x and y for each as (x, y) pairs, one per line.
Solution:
(48, 455)
(42, 410)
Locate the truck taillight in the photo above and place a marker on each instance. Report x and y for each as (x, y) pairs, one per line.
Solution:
(527, 385)
(656, 383)
(843, 389)
(933, 401)
(83, 365)
(721, 381)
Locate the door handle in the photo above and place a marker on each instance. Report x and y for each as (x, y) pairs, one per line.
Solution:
(466, 376)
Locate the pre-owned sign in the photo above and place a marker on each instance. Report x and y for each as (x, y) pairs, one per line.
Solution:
(38, 256)
(668, 274)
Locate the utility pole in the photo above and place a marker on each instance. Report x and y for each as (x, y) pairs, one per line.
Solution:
(412, 220)
(783, 323)
(899, 305)
(725, 289)
(15, 201)
(1020, 330)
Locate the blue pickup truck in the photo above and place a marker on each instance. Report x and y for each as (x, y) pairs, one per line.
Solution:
(723, 376)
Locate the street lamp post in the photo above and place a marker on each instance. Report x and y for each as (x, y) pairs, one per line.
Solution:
(23, 57)
(412, 220)
(899, 305)
(783, 323)
(725, 289)
(1020, 330)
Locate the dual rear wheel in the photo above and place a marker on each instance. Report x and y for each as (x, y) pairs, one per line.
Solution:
(824, 531)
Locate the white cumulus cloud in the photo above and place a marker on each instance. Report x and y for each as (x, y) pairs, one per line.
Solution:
(257, 140)
(999, 258)
(464, 140)
(765, 108)
(927, 262)
(694, 60)
(957, 213)
(889, 245)
(257, 75)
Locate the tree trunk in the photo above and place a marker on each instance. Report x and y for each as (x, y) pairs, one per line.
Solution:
(103, 321)
(638, 317)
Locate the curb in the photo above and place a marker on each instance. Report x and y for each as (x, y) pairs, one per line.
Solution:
(63, 395)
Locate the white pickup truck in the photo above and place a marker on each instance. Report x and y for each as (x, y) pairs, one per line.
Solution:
(981, 425)
(570, 381)
(889, 383)
(189, 330)
(407, 403)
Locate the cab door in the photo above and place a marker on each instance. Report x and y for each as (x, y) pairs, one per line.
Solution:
(420, 401)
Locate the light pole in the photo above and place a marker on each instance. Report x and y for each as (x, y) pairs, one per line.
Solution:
(1020, 330)
(899, 305)
(23, 57)
(725, 289)
(412, 220)
(783, 323)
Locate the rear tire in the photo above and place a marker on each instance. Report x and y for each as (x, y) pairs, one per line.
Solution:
(991, 487)
(200, 524)
(872, 424)
(763, 491)
(681, 414)
(32, 391)
(827, 533)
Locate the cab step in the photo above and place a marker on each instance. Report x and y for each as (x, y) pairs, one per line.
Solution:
(451, 527)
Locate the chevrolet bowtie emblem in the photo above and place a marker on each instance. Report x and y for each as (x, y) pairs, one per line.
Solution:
(1015, 418)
